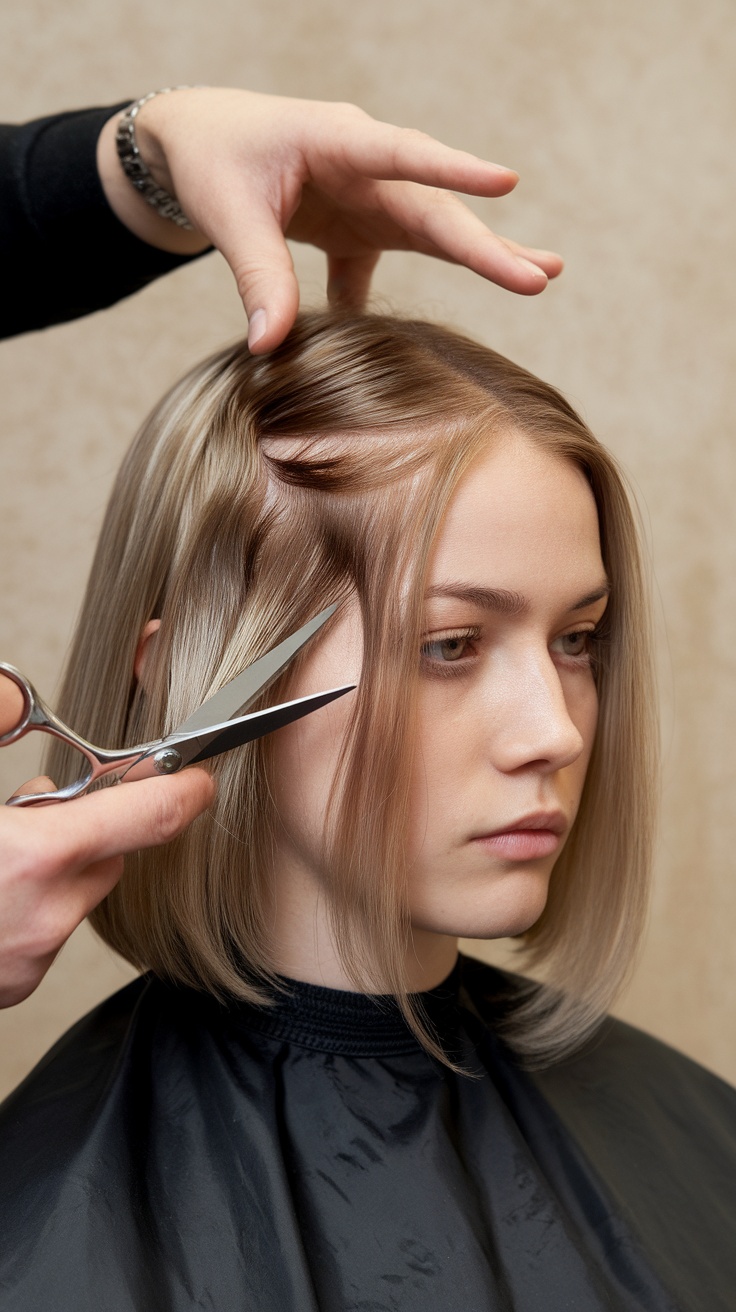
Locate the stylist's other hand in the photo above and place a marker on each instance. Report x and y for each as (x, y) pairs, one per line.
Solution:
(57, 862)
(249, 170)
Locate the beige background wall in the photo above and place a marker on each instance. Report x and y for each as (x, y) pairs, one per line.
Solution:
(620, 118)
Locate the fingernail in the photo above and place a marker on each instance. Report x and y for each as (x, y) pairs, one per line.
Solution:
(538, 273)
(256, 327)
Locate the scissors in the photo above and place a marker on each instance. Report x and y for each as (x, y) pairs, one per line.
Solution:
(219, 725)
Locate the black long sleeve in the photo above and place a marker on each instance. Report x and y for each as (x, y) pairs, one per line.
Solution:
(63, 251)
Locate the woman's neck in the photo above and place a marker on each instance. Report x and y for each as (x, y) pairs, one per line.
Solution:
(304, 946)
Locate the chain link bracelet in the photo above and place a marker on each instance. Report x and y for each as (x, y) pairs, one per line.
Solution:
(137, 172)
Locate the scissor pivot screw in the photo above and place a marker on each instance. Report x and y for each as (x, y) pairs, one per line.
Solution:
(167, 761)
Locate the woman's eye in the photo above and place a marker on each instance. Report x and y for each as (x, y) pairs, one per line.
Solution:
(447, 651)
(574, 644)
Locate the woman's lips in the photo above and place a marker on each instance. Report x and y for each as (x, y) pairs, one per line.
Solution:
(520, 844)
(528, 839)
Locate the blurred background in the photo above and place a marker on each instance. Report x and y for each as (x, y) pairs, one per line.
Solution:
(620, 119)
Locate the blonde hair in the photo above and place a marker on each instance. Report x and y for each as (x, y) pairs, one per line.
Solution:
(260, 490)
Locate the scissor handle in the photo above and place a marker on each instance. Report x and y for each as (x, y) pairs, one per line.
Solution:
(36, 715)
(29, 699)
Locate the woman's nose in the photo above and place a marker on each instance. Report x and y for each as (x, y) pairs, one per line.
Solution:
(532, 723)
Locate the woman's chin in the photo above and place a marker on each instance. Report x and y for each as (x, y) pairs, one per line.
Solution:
(500, 908)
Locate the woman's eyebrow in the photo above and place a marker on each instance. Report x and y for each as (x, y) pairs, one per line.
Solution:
(504, 602)
(591, 597)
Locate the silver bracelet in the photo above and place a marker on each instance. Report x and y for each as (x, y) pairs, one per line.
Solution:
(137, 171)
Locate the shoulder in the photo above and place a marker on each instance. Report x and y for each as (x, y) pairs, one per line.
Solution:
(658, 1131)
(76, 1071)
(619, 1057)
(620, 1066)
(95, 1082)
(51, 1128)
(76, 1138)
(613, 1054)
(674, 1121)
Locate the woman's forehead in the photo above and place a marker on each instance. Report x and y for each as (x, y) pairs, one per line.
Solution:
(522, 519)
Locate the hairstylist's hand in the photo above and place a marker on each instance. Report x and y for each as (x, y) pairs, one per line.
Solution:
(250, 169)
(57, 862)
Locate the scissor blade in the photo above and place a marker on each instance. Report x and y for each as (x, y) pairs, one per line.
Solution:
(257, 725)
(237, 695)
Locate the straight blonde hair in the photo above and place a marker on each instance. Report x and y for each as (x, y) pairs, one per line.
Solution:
(259, 491)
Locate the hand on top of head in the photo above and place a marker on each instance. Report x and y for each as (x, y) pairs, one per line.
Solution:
(250, 170)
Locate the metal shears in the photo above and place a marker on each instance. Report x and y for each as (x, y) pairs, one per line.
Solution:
(220, 724)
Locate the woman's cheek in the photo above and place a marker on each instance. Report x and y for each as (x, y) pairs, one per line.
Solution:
(440, 774)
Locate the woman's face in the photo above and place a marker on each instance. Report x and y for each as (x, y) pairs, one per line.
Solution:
(507, 702)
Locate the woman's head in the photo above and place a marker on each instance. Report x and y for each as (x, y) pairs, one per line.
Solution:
(452, 503)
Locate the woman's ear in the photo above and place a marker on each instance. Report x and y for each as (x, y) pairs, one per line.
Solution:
(144, 648)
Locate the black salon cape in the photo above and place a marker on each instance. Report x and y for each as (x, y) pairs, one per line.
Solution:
(172, 1154)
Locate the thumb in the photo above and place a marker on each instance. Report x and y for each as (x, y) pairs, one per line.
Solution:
(264, 271)
(41, 784)
(113, 821)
